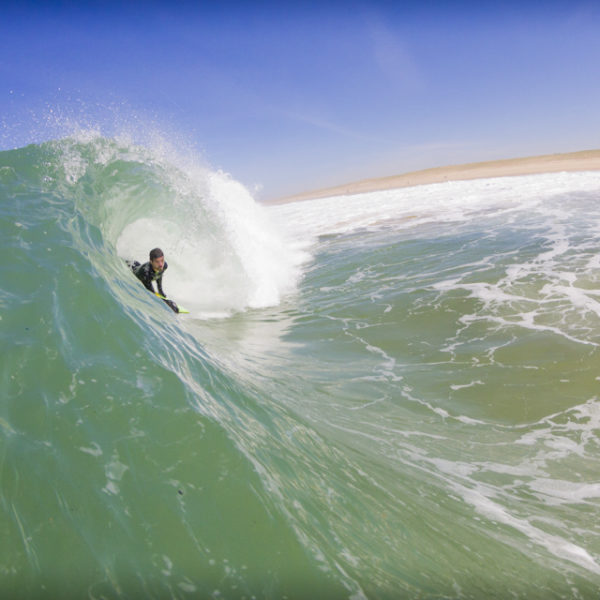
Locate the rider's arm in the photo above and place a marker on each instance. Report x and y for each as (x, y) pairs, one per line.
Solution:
(159, 286)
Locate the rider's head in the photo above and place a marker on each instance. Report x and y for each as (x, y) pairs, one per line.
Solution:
(157, 259)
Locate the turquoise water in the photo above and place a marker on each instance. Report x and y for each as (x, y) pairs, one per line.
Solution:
(392, 395)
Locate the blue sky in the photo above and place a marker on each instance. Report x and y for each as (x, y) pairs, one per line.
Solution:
(290, 97)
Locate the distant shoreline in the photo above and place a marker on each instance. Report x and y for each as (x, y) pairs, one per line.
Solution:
(586, 160)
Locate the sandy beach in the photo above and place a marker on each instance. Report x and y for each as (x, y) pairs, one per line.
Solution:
(587, 160)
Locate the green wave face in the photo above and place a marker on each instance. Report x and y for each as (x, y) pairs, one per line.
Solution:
(119, 474)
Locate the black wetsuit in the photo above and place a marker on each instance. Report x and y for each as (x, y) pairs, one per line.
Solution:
(146, 274)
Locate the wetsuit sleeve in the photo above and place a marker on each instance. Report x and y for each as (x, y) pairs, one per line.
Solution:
(159, 286)
(159, 281)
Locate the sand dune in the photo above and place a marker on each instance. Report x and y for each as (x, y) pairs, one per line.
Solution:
(587, 160)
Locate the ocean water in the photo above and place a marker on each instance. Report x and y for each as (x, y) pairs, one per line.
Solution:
(390, 395)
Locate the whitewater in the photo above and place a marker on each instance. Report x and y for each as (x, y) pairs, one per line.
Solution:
(381, 396)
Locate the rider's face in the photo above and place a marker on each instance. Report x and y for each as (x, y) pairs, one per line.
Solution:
(158, 263)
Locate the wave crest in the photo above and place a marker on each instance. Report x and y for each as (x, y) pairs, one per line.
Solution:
(224, 253)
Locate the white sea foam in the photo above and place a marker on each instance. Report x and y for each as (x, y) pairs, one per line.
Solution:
(556, 545)
(440, 202)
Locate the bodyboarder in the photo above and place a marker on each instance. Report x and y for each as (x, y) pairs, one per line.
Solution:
(153, 271)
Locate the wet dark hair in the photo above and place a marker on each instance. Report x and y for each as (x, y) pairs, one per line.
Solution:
(156, 253)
